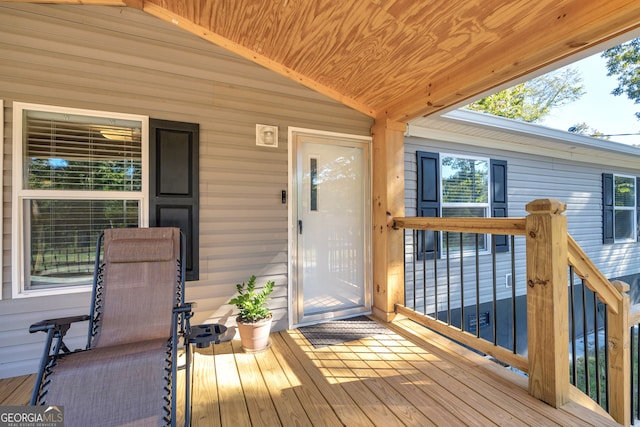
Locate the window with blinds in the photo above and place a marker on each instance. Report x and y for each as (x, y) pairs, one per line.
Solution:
(81, 173)
(465, 193)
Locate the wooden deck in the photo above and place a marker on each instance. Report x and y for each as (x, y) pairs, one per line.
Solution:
(410, 376)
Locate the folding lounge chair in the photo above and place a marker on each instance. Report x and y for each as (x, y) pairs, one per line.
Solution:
(127, 373)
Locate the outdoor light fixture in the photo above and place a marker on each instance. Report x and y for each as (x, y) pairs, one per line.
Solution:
(267, 135)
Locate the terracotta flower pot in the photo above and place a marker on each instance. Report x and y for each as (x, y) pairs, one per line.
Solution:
(254, 336)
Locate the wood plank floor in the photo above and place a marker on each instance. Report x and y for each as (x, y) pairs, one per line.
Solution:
(408, 377)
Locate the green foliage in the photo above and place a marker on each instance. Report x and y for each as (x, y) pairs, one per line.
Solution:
(533, 100)
(252, 303)
(623, 61)
(594, 370)
(585, 129)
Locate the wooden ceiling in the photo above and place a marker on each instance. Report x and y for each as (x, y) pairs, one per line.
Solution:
(399, 59)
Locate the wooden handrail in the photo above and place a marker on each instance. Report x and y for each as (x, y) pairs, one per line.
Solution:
(592, 276)
(511, 226)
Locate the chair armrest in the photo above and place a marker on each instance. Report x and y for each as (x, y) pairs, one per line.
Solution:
(184, 307)
(59, 324)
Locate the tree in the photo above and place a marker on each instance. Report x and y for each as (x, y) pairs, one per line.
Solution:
(585, 129)
(623, 61)
(533, 100)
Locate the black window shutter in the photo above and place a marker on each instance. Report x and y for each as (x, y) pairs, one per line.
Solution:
(174, 183)
(607, 208)
(499, 203)
(428, 203)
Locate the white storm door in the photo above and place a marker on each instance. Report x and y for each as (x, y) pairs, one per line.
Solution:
(332, 228)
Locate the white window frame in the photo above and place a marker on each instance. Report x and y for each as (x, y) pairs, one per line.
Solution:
(633, 208)
(20, 194)
(443, 204)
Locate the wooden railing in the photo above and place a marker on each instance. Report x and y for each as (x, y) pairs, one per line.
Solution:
(549, 251)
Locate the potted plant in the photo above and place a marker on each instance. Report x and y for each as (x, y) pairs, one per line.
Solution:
(254, 319)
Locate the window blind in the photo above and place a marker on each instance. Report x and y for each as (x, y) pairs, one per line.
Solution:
(67, 152)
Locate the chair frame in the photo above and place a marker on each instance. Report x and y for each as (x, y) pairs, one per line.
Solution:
(180, 326)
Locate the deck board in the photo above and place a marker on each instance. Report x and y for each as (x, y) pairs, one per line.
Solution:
(409, 376)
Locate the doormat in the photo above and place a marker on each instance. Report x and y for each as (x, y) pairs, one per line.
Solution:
(340, 331)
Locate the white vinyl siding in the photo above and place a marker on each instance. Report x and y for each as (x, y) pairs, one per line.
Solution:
(123, 60)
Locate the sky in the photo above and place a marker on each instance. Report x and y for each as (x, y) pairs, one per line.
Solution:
(598, 108)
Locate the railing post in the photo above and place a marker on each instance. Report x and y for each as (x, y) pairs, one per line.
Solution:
(619, 368)
(547, 301)
(388, 202)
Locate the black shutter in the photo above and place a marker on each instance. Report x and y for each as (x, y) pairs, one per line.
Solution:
(607, 208)
(428, 203)
(499, 204)
(174, 183)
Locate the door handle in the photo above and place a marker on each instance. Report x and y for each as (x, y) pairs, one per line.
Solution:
(299, 226)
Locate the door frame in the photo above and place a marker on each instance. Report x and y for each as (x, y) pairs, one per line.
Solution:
(292, 207)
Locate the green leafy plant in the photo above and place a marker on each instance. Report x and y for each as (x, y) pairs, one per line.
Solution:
(252, 303)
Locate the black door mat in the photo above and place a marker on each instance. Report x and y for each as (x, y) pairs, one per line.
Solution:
(340, 331)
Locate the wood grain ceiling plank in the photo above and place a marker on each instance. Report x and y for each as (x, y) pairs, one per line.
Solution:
(169, 13)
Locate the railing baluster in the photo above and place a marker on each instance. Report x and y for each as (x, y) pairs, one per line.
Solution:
(494, 302)
(587, 385)
(606, 358)
(415, 257)
(572, 320)
(424, 271)
(448, 280)
(436, 246)
(633, 375)
(477, 285)
(461, 285)
(635, 370)
(514, 314)
(596, 343)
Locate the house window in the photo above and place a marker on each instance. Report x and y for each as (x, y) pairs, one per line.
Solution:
(620, 208)
(76, 172)
(460, 186)
(465, 193)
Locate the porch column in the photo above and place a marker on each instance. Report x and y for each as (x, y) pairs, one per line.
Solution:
(547, 301)
(388, 202)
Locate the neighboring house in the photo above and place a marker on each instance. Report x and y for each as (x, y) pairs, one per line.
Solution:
(514, 163)
(130, 73)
